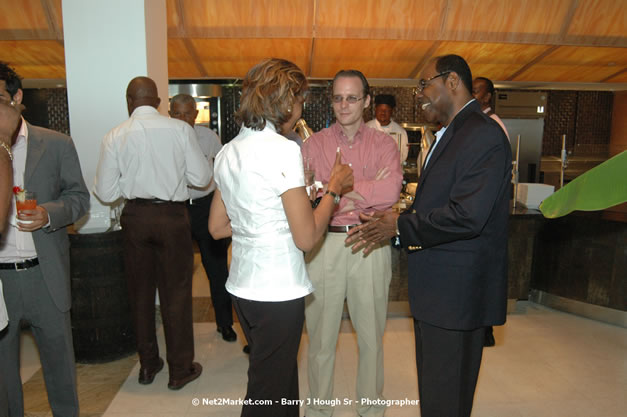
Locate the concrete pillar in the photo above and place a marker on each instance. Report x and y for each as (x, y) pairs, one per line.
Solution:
(107, 43)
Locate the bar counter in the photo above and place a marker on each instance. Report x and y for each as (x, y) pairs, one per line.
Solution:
(580, 257)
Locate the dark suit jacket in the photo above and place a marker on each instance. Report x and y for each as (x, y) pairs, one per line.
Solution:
(456, 230)
(53, 172)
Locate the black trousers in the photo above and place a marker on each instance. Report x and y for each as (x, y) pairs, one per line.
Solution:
(213, 254)
(158, 254)
(273, 331)
(448, 366)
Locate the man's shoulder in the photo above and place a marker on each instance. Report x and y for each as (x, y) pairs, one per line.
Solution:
(380, 137)
(371, 123)
(321, 137)
(152, 121)
(47, 135)
(397, 126)
(45, 132)
(205, 132)
(479, 124)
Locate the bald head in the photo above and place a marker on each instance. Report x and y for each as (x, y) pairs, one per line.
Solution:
(141, 91)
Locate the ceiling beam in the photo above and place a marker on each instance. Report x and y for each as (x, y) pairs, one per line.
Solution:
(425, 59)
(182, 30)
(558, 40)
(434, 47)
(312, 44)
(531, 63)
(568, 19)
(613, 75)
(53, 20)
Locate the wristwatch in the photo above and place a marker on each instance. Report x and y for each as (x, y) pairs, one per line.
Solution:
(336, 197)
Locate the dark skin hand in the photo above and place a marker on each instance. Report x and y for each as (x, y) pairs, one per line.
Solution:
(375, 228)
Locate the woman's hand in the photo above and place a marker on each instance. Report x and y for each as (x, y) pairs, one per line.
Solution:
(341, 180)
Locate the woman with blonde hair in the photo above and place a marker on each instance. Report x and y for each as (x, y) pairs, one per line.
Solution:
(261, 202)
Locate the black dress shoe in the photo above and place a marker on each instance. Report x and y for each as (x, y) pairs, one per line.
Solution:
(489, 337)
(146, 375)
(246, 350)
(228, 333)
(177, 384)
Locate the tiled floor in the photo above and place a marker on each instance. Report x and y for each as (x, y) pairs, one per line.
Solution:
(545, 364)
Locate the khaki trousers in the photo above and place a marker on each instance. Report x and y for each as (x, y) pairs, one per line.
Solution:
(364, 282)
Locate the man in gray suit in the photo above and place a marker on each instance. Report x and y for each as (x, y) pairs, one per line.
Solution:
(34, 258)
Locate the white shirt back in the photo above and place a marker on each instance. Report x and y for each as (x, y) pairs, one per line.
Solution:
(251, 172)
(150, 156)
(210, 144)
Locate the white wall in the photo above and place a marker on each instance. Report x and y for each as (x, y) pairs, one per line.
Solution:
(107, 43)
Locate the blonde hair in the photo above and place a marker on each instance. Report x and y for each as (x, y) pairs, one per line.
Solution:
(269, 92)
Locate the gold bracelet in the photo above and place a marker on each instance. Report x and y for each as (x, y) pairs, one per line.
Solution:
(6, 148)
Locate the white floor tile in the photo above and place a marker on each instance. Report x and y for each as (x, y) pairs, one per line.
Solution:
(545, 364)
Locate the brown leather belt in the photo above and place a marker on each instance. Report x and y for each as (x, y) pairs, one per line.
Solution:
(18, 266)
(341, 229)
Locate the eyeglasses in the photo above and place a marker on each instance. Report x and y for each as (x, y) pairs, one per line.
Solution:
(422, 84)
(350, 99)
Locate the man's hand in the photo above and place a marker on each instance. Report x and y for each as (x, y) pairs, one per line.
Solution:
(376, 228)
(38, 217)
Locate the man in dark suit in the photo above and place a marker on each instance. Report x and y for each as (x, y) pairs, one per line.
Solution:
(456, 236)
(34, 258)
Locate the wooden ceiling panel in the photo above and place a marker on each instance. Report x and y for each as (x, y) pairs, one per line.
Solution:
(506, 40)
(248, 18)
(24, 19)
(374, 19)
(56, 11)
(584, 64)
(604, 18)
(375, 58)
(519, 21)
(232, 58)
(173, 18)
(496, 61)
(180, 63)
(34, 59)
(618, 78)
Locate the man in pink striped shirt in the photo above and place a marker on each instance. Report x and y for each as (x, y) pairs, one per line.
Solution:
(337, 273)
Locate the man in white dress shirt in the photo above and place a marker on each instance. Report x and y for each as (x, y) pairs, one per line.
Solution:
(384, 107)
(212, 252)
(150, 160)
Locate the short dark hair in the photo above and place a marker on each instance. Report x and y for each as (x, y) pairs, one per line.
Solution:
(489, 84)
(354, 73)
(12, 80)
(269, 92)
(388, 99)
(457, 64)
